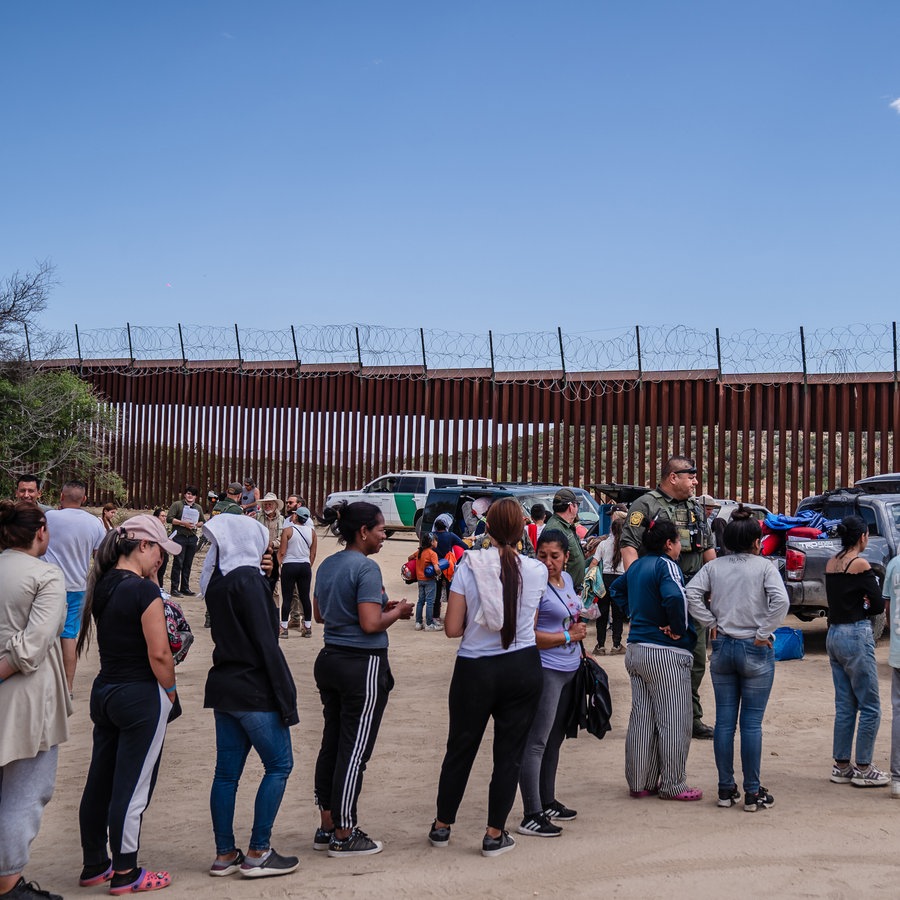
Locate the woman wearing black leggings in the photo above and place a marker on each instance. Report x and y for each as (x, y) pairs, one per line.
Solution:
(497, 675)
(296, 556)
(132, 700)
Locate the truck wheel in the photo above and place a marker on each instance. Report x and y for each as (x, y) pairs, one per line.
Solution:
(388, 533)
(417, 524)
(877, 623)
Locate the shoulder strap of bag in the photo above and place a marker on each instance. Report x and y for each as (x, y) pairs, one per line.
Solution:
(568, 611)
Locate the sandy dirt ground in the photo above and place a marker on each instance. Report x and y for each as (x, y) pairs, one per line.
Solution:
(820, 839)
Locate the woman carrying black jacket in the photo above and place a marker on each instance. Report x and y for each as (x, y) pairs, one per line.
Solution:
(251, 692)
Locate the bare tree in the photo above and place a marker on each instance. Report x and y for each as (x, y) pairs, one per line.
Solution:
(23, 297)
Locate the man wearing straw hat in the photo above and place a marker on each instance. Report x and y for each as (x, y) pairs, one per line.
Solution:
(270, 516)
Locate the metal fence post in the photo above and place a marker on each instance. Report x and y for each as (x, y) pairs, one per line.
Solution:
(181, 341)
(637, 336)
(803, 354)
(562, 355)
(719, 354)
(130, 349)
(424, 360)
(237, 340)
(491, 347)
(296, 355)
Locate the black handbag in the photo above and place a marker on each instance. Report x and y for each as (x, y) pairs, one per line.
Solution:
(592, 703)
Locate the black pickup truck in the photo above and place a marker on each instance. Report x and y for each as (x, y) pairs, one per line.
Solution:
(877, 501)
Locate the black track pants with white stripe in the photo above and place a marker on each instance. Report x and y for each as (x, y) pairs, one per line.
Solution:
(129, 729)
(354, 687)
(659, 730)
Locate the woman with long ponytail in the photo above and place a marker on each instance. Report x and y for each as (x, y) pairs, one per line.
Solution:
(498, 674)
(132, 700)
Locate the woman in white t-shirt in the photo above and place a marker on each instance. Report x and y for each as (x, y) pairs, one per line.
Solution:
(498, 674)
(296, 556)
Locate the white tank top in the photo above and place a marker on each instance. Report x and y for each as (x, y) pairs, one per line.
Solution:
(299, 544)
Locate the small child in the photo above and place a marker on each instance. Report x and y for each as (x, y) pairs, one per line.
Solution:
(427, 583)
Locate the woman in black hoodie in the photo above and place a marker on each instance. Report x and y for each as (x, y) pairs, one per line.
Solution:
(251, 692)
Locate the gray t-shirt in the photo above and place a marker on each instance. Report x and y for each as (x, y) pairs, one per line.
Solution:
(343, 581)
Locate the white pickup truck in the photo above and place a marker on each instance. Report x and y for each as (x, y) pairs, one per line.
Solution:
(401, 495)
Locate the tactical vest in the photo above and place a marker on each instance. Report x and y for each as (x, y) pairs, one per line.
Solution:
(688, 519)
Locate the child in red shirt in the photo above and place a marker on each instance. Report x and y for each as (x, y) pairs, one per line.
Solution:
(427, 583)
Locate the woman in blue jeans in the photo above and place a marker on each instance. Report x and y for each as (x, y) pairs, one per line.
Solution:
(747, 602)
(853, 595)
(251, 692)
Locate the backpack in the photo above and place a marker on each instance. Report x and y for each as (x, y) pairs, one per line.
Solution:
(180, 635)
(408, 570)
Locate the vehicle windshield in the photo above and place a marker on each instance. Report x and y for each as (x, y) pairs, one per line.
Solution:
(893, 516)
(588, 512)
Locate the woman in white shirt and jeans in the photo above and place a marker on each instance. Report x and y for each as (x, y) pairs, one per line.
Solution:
(498, 674)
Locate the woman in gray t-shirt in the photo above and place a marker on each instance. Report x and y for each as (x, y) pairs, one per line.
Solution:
(351, 671)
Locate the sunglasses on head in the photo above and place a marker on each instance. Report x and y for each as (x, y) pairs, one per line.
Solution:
(691, 471)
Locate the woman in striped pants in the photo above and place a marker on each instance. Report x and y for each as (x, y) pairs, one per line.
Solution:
(658, 659)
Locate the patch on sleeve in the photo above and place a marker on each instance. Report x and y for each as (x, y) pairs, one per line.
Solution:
(636, 519)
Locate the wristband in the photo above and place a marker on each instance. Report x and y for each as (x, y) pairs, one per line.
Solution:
(568, 637)
(171, 690)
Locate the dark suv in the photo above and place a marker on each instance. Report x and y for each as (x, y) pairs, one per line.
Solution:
(453, 500)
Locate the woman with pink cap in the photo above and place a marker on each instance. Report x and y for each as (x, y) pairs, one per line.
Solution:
(133, 698)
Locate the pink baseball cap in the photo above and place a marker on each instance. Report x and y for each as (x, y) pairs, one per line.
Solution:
(148, 528)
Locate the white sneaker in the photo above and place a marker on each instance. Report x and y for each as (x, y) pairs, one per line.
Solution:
(434, 626)
(419, 626)
(895, 790)
(870, 777)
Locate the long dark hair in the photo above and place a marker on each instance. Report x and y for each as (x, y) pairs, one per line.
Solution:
(615, 530)
(851, 529)
(345, 520)
(20, 521)
(112, 548)
(505, 523)
(741, 531)
(424, 543)
(657, 533)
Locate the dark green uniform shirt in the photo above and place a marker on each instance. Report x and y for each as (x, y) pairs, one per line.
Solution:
(688, 517)
(575, 565)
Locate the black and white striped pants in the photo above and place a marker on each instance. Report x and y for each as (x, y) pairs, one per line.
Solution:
(659, 730)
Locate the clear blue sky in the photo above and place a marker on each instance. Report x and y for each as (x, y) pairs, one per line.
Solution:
(515, 165)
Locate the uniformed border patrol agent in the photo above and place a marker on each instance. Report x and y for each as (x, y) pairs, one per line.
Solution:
(673, 498)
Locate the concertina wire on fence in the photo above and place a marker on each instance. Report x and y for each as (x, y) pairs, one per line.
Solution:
(624, 355)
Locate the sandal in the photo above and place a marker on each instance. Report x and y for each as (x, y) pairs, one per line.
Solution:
(146, 881)
(89, 880)
(687, 795)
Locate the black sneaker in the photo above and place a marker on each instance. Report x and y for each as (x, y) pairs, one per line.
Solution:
(271, 864)
(558, 811)
(728, 797)
(539, 825)
(760, 800)
(219, 868)
(188, 593)
(174, 593)
(439, 837)
(357, 844)
(28, 890)
(323, 839)
(494, 846)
